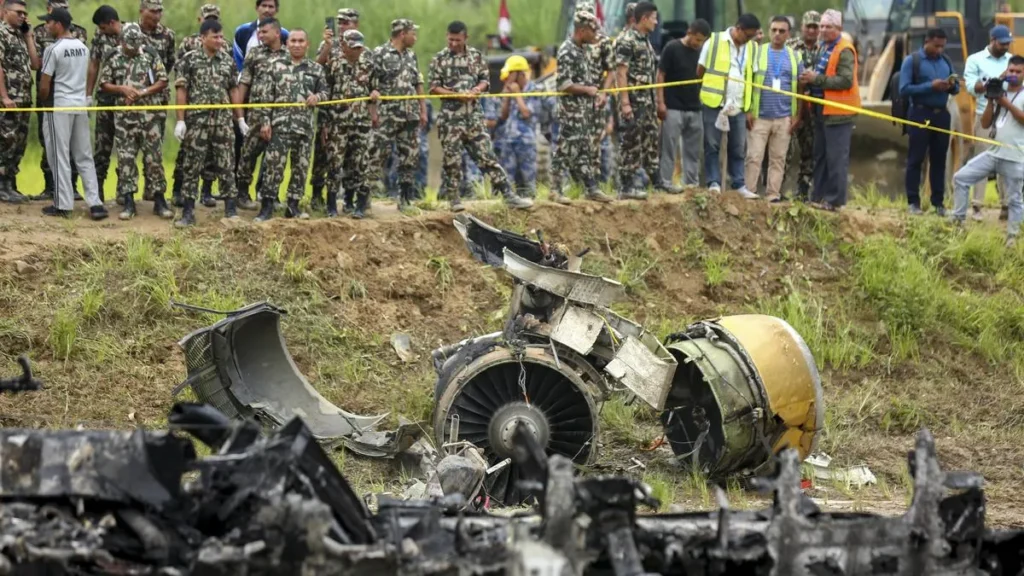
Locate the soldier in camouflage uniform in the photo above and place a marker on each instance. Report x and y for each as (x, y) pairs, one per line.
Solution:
(188, 44)
(206, 76)
(635, 65)
(290, 130)
(42, 41)
(396, 73)
(349, 142)
(576, 112)
(347, 19)
(135, 75)
(460, 71)
(257, 83)
(18, 58)
(105, 41)
(160, 39)
(801, 148)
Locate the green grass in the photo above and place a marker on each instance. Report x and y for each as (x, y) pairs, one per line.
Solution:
(716, 268)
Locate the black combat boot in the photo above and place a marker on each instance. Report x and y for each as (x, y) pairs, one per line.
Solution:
(207, 197)
(129, 207)
(332, 205)
(266, 210)
(176, 198)
(348, 206)
(160, 207)
(316, 201)
(293, 210)
(98, 212)
(244, 202)
(99, 190)
(47, 193)
(229, 208)
(361, 205)
(188, 214)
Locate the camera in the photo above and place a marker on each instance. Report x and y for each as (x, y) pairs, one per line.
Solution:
(993, 88)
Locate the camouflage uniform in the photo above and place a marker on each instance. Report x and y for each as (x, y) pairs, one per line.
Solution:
(638, 146)
(136, 132)
(460, 124)
(574, 152)
(602, 61)
(44, 40)
(517, 141)
(161, 41)
(350, 134)
(17, 68)
(318, 175)
(547, 127)
(291, 128)
(258, 74)
(209, 136)
(397, 74)
(189, 44)
(103, 46)
(801, 146)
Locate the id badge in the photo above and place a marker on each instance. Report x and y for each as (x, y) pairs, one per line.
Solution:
(776, 84)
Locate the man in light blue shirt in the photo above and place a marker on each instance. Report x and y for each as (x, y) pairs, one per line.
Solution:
(988, 63)
(1006, 159)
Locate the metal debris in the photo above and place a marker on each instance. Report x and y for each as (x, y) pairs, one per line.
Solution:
(108, 502)
(242, 366)
(403, 347)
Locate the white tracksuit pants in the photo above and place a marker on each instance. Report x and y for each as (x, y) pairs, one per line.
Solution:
(67, 138)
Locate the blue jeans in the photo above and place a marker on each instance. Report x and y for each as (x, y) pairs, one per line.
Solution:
(927, 144)
(737, 149)
(977, 170)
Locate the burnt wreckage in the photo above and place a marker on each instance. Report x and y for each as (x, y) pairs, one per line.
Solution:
(141, 502)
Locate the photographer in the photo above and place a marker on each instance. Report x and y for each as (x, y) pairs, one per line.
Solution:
(1003, 112)
(18, 58)
(987, 63)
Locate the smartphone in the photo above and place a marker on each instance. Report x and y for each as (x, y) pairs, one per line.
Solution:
(952, 78)
(331, 23)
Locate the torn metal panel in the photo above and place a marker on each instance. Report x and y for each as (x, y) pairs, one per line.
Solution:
(573, 286)
(642, 372)
(578, 329)
(242, 366)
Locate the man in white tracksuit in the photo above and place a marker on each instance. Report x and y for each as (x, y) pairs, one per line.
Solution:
(66, 134)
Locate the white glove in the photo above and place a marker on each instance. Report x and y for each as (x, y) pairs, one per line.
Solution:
(88, 101)
(243, 127)
(179, 130)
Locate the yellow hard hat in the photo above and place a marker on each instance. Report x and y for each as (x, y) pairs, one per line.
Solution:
(514, 63)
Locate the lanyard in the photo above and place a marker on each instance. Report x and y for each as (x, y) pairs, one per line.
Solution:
(779, 60)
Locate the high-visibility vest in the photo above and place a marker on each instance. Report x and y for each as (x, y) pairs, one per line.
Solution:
(716, 71)
(850, 96)
(761, 72)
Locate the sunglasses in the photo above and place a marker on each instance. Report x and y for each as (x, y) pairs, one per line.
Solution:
(779, 30)
(815, 26)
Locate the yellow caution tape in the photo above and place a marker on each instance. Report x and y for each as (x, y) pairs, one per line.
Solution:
(271, 105)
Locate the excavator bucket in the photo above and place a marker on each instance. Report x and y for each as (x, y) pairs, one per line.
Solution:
(241, 366)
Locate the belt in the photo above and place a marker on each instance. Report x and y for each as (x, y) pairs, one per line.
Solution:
(930, 108)
(451, 104)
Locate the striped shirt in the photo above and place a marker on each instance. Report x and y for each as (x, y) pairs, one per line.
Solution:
(773, 104)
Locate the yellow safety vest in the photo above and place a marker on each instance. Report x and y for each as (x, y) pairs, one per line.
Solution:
(716, 71)
(761, 71)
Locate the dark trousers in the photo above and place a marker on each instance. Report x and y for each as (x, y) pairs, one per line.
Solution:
(927, 144)
(831, 160)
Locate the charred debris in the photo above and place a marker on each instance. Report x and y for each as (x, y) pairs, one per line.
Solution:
(142, 502)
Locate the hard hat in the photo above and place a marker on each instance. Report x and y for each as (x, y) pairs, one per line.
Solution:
(514, 63)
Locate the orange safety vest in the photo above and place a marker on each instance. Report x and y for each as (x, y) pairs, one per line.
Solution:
(850, 96)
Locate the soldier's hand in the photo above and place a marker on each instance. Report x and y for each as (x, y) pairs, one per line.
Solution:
(179, 130)
(374, 119)
(662, 111)
(88, 101)
(626, 111)
(313, 100)
(242, 126)
(423, 120)
(265, 132)
(130, 93)
(328, 36)
(601, 99)
(375, 96)
(8, 103)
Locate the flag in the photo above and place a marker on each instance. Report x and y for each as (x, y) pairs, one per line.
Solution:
(504, 26)
(600, 13)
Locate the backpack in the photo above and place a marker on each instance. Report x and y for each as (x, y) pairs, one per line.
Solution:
(901, 105)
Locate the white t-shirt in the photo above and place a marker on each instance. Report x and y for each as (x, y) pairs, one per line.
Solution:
(737, 61)
(1009, 131)
(66, 61)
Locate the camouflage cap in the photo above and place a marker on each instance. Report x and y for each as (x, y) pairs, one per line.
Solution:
(403, 24)
(151, 5)
(209, 11)
(132, 36)
(811, 17)
(57, 4)
(353, 39)
(630, 10)
(586, 19)
(348, 14)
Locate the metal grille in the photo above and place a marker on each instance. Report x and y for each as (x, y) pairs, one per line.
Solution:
(202, 371)
(198, 353)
